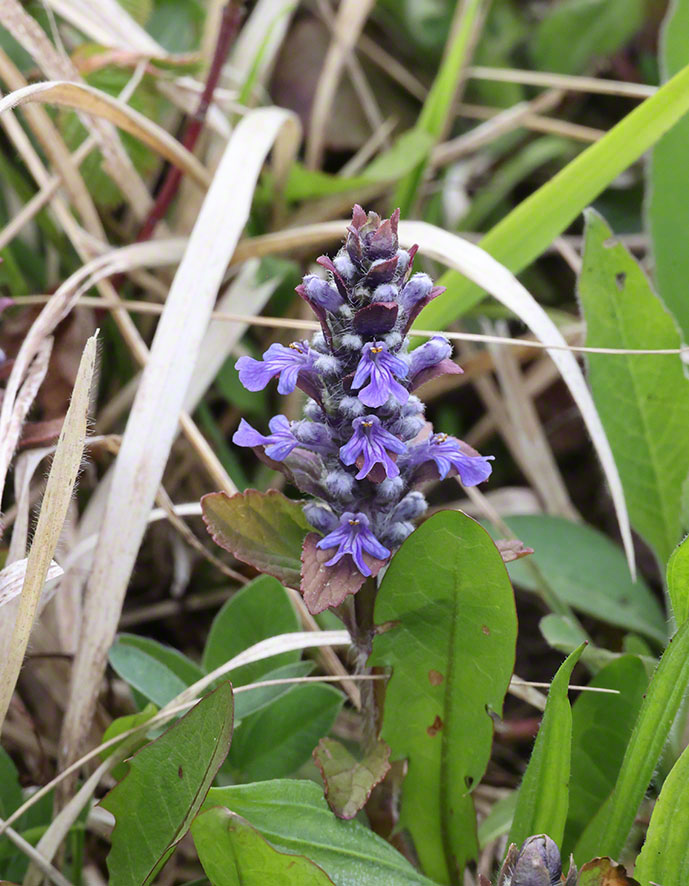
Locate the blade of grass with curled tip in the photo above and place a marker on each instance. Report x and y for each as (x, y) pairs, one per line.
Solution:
(94, 101)
(159, 399)
(532, 226)
(477, 266)
(58, 493)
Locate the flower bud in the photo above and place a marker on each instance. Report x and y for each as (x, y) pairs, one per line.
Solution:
(416, 289)
(321, 518)
(339, 484)
(411, 507)
(537, 863)
(322, 293)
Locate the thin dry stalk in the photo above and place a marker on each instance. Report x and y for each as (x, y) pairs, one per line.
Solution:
(563, 81)
(349, 22)
(61, 480)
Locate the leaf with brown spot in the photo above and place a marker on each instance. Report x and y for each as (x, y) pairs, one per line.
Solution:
(435, 678)
(435, 727)
(604, 872)
(348, 782)
(327, 586)
(264, 529)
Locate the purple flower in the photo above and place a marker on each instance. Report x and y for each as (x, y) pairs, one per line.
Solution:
(279, 443)
(371, 442)
(429, 354)
(445, 451)
(287, 362)
(415, 290)
(322, 293)
(354, 537)
(378, 366)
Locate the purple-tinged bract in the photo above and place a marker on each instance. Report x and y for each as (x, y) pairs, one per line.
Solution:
(363, 439)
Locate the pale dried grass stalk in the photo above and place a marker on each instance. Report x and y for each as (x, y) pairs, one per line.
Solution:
(24, 469)
(529, 435)
(349, 22)
(159, 399)
(58, 492)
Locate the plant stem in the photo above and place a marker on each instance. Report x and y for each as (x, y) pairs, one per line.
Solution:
(362, 635)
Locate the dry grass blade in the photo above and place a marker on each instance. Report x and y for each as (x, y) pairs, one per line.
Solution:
(11, 582)
(20, 393)
(259, 42)
(159, 400)
(93, 101)
(350, 19)
(483, 269)
(24, 469)
(108, 24)
(61, 480)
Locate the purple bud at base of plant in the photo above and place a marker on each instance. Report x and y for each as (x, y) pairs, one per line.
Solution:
(390, 489)
(417, 288)
(396, 533)
(319, 517)
(411, 507)
(339, 484)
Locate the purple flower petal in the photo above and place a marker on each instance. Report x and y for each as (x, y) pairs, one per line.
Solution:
(278, 444)
(286, 362)
(379, 367)
(447, 454)
(353, 536)
(371, 442)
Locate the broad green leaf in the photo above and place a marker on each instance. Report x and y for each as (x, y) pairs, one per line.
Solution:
(10, 789)
(184, 668)
(233, 853)
(348, 781)
(563, 634)
(277, 740)
(678, 582)
(294, 817)
(530, 228)
(451, 643)
(577, 32)
(436, 111)
(154, 680)
(668, 180)
(252, 700)
(665, 854)
(593, 578)
(260, 610)
(607, 832)
(544, 792)
(121, 725)
(643, 402)
(601, 727)
(167, 782)
(264, 529)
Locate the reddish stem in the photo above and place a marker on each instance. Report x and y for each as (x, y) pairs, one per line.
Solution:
(229, 25)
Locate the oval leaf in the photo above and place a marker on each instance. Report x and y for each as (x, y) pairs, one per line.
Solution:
(166, 784)
(348, 781)
(451, 646)
(264, 529)
(235, 854)
(678, 582)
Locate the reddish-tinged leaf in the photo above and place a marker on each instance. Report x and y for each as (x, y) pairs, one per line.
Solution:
(264, 529)
(444, 367)
(377, 318)
(348, 782)
(326, 586)
(604, 872)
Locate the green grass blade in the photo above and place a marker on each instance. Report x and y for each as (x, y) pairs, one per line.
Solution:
(643, 402)
(544, 793)
(678, 582)
(437, 107)
(530, 228)
(665, 854)
(668, 181)
(607, 832)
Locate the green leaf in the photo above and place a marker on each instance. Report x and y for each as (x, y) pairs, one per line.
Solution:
(260, 610)
(264, 529)
(601, 727)
(576, 32)
(184, 668)
(668, 180)
(451, 645)
(544, 792)
(678, 582)
(121, 725)
(348, 781)
(563, 634)
(499, 819)
(235, 854)
(10, 789)
(643, 402)
(280, 738)
(294, 817)
(665, 854)
(608, 830)
(593, 578)
(530, 228)
(144, 673)
(167, 782)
